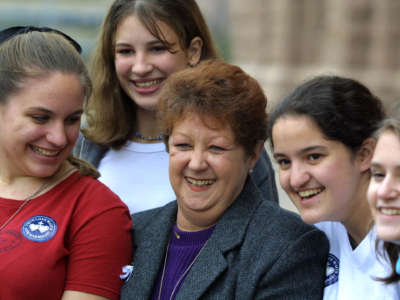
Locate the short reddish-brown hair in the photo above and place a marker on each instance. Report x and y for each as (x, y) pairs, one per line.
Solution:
(219, 90)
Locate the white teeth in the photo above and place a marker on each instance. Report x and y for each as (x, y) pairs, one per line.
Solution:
(44, 152)
(309, 193)
(390, 211)
(199, 182)
(147, 83)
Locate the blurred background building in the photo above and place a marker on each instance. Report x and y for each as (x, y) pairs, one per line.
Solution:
(284, 42)
(279, 42)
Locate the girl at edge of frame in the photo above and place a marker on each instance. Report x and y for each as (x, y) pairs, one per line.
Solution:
(56, 241)
(384, 193)
(122, 138)
(321, 139)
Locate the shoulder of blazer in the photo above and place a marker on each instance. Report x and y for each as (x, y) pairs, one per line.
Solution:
(154, 221)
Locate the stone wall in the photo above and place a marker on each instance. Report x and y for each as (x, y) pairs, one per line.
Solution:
(284, 42)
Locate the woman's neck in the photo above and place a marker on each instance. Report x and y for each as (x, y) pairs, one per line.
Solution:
(357, 231)
(360, 220)
(21, 187)
(146, 123)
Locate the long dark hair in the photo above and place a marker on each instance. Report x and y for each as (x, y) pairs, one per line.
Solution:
(344, 109)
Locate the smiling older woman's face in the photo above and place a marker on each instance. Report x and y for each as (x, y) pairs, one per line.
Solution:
(207, 170)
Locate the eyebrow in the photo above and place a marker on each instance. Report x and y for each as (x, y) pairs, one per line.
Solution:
(127, 44)
(47, 111)
(302, 151)
(381, 166)
(375, 165)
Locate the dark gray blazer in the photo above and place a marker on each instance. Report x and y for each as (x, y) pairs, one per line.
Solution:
(263, 173)
(257, 251)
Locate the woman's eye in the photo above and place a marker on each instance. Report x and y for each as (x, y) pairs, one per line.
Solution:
(39, 118)
(160, 48)
(217, 148)
(283, 163)
(73, 120)
(377, 176)
(124, 51)
(314, 156)
(182, 146)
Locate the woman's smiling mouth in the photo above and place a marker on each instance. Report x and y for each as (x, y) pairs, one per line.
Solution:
(200, 182)
(389, 211)
(43, 152)
(148, 83)
(310, 193)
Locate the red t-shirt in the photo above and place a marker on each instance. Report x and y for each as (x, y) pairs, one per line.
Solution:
(74, 237)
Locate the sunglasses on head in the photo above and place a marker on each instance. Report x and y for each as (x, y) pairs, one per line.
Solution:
(11, 32)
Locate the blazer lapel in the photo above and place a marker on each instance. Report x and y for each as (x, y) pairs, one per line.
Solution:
(209, 265)
(228, 235)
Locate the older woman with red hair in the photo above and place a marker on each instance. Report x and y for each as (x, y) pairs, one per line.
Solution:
(219, 239)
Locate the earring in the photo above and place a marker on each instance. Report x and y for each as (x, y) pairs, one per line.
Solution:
(250, 171)
(398, 266)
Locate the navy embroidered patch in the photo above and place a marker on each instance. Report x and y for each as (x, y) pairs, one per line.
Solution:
(39, 228)
(9, 239)
(332, 270)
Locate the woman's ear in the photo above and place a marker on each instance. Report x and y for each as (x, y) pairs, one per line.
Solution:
(365, 153)
(194, 51)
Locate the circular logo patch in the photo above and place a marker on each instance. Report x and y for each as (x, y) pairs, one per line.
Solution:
(39, 228)
(332, 270)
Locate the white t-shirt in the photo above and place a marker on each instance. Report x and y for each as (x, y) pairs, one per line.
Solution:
(138, 174)
(350, 273)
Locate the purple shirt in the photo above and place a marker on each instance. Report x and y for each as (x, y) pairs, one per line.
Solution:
(182, 251)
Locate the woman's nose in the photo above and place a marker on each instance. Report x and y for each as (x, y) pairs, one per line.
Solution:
(388, 189)
(141, 64)
(299, 175)
(198, 160)
(56, 135)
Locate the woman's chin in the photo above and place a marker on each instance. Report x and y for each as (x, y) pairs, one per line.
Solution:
(388, 233)
(311, 217)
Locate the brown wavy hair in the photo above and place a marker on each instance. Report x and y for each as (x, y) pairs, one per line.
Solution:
(110, 112)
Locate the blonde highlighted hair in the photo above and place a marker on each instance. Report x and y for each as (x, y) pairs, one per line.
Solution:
(36, 54)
